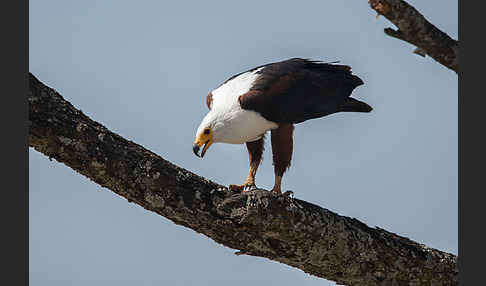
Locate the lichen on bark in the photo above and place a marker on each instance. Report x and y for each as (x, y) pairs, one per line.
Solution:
(259, 223)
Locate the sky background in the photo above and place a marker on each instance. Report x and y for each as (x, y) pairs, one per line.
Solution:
(144, 68)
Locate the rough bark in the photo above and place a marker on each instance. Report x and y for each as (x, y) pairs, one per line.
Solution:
(416, 30)
(258, 223)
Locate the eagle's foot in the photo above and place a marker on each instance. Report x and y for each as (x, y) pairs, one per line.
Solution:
(246, 187)
(277, 191)
(289, 194)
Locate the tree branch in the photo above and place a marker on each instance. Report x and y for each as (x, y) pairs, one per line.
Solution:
(256, 223)
(416, 30)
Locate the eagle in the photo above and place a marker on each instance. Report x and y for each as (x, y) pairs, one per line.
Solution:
(274, 97)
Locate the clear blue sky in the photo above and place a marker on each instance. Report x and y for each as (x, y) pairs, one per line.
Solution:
(143, 69)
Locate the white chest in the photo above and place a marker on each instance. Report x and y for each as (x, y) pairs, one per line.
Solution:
(242, 126)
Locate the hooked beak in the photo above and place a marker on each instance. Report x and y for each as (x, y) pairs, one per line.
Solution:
(195, 149)
(197, 146)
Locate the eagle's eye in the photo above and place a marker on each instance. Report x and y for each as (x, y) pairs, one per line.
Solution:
(206, 131)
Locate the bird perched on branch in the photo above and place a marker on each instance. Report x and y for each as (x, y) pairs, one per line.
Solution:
(275, 97)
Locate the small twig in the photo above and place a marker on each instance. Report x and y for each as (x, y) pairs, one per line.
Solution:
(413, 28)
(241, 252)
(395, 34)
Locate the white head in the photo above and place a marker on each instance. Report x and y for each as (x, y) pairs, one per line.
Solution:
(209, 131)
(226, 121)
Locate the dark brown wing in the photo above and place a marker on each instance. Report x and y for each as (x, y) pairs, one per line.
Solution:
(296, 90)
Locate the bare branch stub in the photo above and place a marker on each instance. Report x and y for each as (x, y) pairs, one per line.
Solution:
(416, 30)
(258, 223)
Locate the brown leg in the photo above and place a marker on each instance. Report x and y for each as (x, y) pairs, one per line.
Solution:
(282, 147)
(255, 151)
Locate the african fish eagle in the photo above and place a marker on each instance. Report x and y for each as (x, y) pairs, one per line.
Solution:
(274, 97)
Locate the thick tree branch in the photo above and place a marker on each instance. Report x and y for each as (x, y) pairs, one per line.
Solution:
(257, 223)
(416, 30)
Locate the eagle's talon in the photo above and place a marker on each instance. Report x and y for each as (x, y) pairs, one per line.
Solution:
(289, 194)
(249, 187)
(235, 188)
(242, 188)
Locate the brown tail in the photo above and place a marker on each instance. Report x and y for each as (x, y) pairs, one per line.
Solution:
(354, 105)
